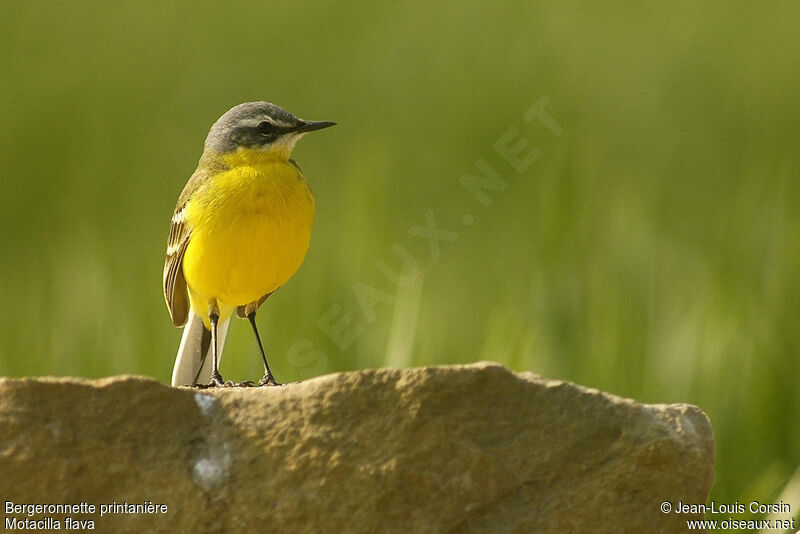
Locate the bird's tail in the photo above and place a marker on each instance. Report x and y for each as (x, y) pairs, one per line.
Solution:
(193, 362)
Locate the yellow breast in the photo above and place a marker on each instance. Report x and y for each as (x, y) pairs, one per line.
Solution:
(251, 226)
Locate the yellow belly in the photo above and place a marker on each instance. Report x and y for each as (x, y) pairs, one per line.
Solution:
(251, 227)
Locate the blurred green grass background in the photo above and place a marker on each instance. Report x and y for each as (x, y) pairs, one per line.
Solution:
(651, 250)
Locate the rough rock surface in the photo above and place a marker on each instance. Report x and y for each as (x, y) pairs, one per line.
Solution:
(462, 449)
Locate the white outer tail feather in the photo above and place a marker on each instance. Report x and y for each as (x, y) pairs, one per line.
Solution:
(187, 362)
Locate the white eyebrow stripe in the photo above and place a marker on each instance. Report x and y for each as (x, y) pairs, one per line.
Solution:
(255, 122)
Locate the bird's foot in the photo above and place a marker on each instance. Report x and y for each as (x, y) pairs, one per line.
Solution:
(268, 380)
(217, 382)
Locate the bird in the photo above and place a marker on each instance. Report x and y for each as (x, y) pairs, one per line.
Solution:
(240, 229)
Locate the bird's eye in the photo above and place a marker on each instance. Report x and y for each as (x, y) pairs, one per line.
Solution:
(266, 127)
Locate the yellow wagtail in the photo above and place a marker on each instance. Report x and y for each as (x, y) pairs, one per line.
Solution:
(240, 230)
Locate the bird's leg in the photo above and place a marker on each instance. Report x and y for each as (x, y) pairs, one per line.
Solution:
(216, 378)
(268, 379)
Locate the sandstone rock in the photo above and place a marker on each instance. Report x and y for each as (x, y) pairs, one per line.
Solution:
(456, 449)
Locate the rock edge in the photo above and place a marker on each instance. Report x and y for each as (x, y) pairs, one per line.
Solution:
(468, 448)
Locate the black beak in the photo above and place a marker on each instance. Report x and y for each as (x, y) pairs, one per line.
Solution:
(310, 126)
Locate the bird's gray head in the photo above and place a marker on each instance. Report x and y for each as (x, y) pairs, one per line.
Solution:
(260, 126)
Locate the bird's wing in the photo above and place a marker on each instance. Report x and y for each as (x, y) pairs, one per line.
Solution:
(175, 291)
(180, 231)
